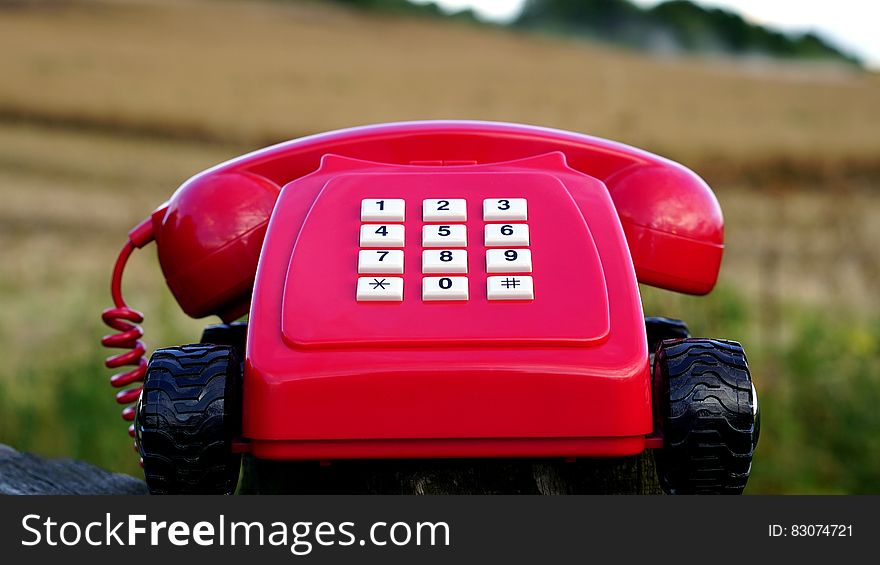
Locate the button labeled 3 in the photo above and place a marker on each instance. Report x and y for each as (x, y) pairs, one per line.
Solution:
(501, 209)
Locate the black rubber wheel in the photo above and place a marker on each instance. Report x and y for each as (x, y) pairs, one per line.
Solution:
(234, 335)
(659, 329)
(707, 417)
(187, 415)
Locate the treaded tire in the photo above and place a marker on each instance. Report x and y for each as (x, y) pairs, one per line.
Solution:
(659, 328)
(707, 416)
(187, 415)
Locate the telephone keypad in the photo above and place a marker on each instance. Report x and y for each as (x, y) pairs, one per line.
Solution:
(505, 209)
(444, 288)
(444, 261)
(388, 289)
(444, 239)
(444, 210)
(507, 235)
(380, 261)
(382, 235)
(444, 235)
(383, 209)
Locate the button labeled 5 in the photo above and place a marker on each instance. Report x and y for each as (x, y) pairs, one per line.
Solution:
(380, 261)
(454, 235)
(383, 209)
(382, 235)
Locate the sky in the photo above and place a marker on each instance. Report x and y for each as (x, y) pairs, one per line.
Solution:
(849, 24)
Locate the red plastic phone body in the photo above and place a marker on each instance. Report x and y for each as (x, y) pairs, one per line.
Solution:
(327, 377)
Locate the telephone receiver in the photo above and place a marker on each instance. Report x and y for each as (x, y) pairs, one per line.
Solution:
(209, 234)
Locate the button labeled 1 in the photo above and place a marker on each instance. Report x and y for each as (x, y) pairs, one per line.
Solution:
(500, 209)
(510, 288)
(382, 209)
(444, 288)
(444, 236)
(385, 261)
(383, 289)
(507, 235)
(382, 235)
(508, 261)
(444, 210)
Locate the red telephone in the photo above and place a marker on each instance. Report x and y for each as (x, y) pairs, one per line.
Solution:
(428, 289)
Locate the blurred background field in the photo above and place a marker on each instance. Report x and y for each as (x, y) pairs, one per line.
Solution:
(106, 107)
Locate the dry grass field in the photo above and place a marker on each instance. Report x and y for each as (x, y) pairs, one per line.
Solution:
(105, 107)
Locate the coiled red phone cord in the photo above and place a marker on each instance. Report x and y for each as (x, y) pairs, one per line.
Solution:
(125, 321)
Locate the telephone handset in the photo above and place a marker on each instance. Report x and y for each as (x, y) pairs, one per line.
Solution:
(210, 234)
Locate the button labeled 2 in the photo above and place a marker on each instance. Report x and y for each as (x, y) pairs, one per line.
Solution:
(444, 210)
(383, 209)
(382, 235)
(387, 261)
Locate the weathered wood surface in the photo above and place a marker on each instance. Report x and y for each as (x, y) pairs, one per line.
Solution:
(23, 473)
(631, 475)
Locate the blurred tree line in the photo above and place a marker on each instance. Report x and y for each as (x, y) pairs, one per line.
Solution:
(676, 26)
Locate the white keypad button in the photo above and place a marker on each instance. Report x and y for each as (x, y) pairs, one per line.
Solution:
(507, 235)
(444, 210)
(381, 235)
(500, 209)
(444, 235)
(380, 289)
(444, 261)
(444, 288)
(388, 261)
(383, 209)
(510, 288)
(508, 261)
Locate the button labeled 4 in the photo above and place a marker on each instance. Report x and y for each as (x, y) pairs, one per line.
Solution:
(382, 235)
